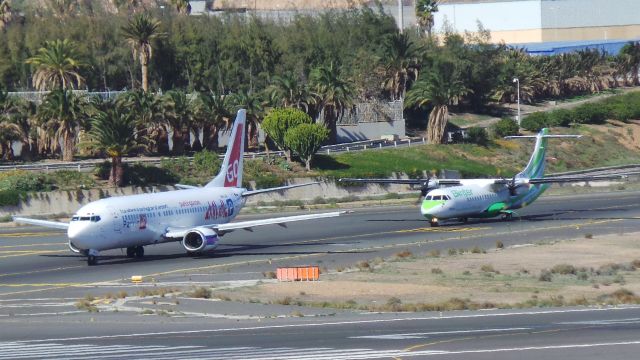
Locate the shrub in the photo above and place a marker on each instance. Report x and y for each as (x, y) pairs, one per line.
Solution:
(590, 113)
(488, 268)
(561, 117)
(434, 253)
(404, 254)
(499, 244)
(201, 293)
(564, 269)
(545, 275)
(505, 127)
(436, 271)
(478, 135)
(9, 198)
(535, 121)
(207, 163)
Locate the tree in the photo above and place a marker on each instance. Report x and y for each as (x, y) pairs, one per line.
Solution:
(177, 117)
(214, 113)
(113, 132)
(57, 66)
(182, 6)
(279, 121)
(505, 127)
(6, 14)
(139, 33)
(335, 94)
(146, 109)
(252, 103)
(288, 91)
(60, 115)
(424, 12)
(305, 140)
(439, 87)
(402, 58)
(631, 53)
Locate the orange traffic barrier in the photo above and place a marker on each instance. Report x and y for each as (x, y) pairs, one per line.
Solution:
(299, 273)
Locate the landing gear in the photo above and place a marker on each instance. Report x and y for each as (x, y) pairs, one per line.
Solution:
(92, 257)
(464, 220)
(507, 216)
(138, 251)
(434, 222)
(131, 252)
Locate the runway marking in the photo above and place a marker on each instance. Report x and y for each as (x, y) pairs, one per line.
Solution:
(38, 271)
(29, 252)
(427, 334)
(294, 257)
(334, 323)
(444, 229)
(30, 234)
(31, 245)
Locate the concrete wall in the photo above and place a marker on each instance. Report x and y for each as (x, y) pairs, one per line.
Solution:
(374, 130)
(68, 202)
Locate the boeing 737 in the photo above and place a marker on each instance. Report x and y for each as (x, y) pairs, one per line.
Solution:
(196, 216)
(486, 198)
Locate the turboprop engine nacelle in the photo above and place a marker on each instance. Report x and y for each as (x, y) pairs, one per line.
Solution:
(200, 239)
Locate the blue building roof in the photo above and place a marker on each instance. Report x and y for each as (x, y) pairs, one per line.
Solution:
(611, 47)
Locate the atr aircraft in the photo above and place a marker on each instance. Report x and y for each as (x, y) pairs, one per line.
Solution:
(485, 198)
(197, 217)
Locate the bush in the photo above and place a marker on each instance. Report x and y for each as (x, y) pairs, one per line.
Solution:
(505, 127)
(139, 174)
(66, 179)
(478, 135)
(590, 114)
(561, 117)
(535, 121)
(545, 275)
(207, 163)
(9, 198)
(564, 269)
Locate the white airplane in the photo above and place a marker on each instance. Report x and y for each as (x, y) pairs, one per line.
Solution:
(197, 217)
(485, 198)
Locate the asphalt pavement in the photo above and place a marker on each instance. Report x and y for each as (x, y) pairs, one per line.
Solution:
(40, 281)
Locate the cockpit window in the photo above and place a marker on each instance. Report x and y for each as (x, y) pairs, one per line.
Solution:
(75, 218)
(95, 218)
(429, 197)
(437, 197)
(446, 197)
(85, 218)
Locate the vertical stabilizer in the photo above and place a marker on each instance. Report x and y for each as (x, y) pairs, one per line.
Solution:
(535, 167)
(231, 170)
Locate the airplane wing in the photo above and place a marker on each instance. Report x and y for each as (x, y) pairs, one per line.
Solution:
(567, 179)
(401, 181)
(248, 225)
(280, 188)
(45, 223)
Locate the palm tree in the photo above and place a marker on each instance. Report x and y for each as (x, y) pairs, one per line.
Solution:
(631, 52)
(113, 132)
(182, 6)
(146, 108)
(21, 114)
(424, 12)
(9, 133)
(60, 115)
(288, 91)
(57, 64)
(6, 14)
(140, 32)
(213, 112)
(176, 118)
(335, 94)
(252, 103)
(439, 87)
(403, 64)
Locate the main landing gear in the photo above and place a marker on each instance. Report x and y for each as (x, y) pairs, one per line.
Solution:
(508, 216)
(135, 251)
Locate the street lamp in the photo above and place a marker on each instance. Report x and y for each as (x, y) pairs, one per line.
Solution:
(517, 81)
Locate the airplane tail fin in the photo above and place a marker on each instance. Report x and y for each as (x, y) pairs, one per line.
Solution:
(535, 167)
(230, 174)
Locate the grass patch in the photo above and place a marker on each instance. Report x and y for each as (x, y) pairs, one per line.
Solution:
(201, 293)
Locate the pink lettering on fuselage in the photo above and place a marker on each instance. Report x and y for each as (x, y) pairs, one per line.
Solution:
(215, 211)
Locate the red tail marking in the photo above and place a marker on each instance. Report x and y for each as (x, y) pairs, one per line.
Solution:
(231, 179)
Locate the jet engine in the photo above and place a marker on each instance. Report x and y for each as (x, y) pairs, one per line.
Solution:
(200, 239)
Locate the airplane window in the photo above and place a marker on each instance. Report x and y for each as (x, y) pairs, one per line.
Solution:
(95, 218)
(428, 197)
(84, 218)
(75, 218)
(446, 197)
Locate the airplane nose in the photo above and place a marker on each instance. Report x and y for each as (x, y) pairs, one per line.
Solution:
(76, 233)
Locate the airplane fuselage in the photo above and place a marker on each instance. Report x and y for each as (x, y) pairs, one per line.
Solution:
(138, 220)
(477, 199)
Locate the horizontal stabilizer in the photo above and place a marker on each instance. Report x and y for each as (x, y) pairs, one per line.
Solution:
(184, 187)
(45, 223)
(543, 136)
(569, 179)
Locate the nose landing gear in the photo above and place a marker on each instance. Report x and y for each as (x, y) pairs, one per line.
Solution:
(434, 222)
(92, 257)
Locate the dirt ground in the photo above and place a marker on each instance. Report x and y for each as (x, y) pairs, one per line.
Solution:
(586, 268)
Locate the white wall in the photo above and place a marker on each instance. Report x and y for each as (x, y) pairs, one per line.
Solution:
(495, 16)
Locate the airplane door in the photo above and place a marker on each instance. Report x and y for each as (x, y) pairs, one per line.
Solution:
(117, 221)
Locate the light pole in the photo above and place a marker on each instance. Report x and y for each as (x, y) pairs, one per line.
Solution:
(517, 81)
(400, 16)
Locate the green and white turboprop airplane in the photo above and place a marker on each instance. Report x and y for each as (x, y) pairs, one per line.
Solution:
(486, 198)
